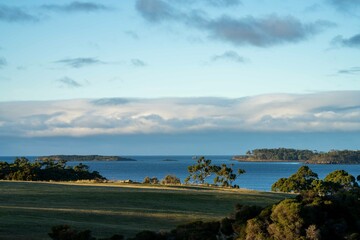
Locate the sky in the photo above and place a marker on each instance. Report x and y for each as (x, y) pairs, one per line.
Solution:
(178, 77)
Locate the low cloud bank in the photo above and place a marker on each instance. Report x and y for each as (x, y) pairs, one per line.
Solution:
(317, 112)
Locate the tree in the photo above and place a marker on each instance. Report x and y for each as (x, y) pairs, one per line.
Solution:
(341, 179)
(300, 181)
(170, 179)
(49, 169)
(153, 180)
(199, 171)
(287, 222)
(225, 175)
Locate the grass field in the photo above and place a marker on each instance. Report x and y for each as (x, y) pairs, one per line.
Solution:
(28, 210)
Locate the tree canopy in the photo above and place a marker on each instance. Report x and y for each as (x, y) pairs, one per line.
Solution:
(46, 170)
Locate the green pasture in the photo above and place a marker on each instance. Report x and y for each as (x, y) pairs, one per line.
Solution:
(28, 210)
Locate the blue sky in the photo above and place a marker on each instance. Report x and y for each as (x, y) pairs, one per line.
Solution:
(144, 60)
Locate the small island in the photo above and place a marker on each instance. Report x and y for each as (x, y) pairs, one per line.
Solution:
(79, 158)
(302, 156)
(169, 160)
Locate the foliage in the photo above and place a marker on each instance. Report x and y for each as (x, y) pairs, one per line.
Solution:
(306, 180)
(48, 169)
(153, 180)
(283, 154)
(225, 175)
(197, 231)
(341, 179)
(65, 232)
(337, 157)
(300, 181)
(308, 156)
(199, 171)
(170, 179)
(203, 169)
(286, 220)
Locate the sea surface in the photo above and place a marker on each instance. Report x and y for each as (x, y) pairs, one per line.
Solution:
(258, 176)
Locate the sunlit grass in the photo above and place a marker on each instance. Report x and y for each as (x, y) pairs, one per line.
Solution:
(30, 209)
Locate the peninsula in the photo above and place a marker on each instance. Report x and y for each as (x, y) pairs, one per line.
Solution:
(302, 156)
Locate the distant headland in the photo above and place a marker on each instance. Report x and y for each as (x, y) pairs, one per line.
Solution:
(70, 158)
(303, 156)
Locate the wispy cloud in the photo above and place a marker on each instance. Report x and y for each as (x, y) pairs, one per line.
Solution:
(345, 5)
(353, 70)
(76, 6)
(320, 112)
(261, 32)
(138, 63)
(16, 14)
(156, 10)
(3, 62)
(69, 82)
(353, 41)
(229, 56)
(80, 62)
(224, 3)
(212, 3)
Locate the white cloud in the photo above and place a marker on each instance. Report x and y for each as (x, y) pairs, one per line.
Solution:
(318, 112)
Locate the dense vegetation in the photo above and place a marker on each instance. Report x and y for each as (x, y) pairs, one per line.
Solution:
(46, 170)
(308, 156)
(306, 180)
(84, 158)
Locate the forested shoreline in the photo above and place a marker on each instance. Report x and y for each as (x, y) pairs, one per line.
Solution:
(305, 156)
(46, 170)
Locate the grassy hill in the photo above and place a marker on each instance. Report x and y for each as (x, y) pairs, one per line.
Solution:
(29, 209)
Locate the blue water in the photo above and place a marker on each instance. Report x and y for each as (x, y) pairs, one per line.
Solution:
(258, 176)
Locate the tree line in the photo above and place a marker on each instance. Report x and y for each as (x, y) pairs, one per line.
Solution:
(223, 175)
(308, 156)
(46, 170)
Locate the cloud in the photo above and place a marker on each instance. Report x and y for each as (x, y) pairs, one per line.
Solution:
(212, 3)
(224, 3)
(353, 70)
(318, 112)
(345, 5)
(76, 6)
(138, 63)
(110, 101)
(15, 14)
(353, 41)
(156, 10)
(229, 56)
(3, 62)
(261, 32)
(79, 62)
(69, 82)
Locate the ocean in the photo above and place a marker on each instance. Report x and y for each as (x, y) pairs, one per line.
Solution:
(258, 176)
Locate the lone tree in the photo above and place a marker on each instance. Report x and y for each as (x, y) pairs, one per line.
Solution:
(199, 171)
(225, 175)
(203, 169)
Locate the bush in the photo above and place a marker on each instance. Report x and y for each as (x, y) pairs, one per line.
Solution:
(148, 180)
(170, 179)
